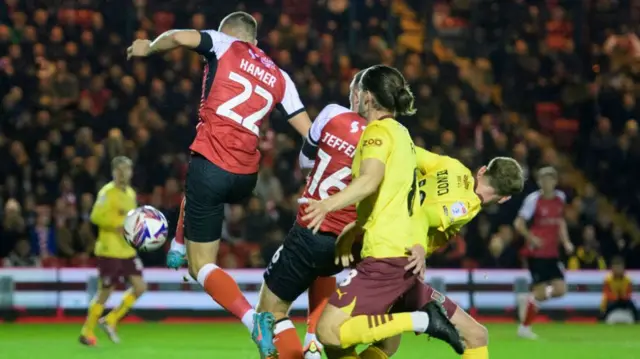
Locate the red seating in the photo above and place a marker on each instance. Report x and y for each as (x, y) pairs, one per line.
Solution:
(50, 262)
(565, 132)
(546, 114)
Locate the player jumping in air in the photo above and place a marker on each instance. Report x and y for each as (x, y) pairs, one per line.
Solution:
(117, 260)
(241, 87)
(384, 186)
(305, 257)
(451, 196)
(545, 208)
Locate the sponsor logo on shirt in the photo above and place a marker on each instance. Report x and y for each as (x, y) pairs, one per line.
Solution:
(373, 142)
(458, 210)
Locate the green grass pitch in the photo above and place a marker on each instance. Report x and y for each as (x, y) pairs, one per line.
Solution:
(231, 341)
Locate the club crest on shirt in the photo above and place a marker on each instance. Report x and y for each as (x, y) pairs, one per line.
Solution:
(458, 210)
(437, 297)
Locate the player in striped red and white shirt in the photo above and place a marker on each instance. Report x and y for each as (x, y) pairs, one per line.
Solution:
(544, 210)
(240, 88)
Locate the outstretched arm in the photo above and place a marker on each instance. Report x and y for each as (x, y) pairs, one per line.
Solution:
(199, 41)
(172, 39)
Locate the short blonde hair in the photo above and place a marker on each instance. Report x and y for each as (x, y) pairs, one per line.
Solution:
(120, 160)
(505, 176)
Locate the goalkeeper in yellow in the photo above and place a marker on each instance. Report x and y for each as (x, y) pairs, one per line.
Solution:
(116, 259)
(450, 197)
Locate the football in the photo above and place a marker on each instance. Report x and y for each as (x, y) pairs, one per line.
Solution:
(145, 228)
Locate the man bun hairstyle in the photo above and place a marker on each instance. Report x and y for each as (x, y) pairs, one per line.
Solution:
(505, 176)
(389, 89)
(241, 23)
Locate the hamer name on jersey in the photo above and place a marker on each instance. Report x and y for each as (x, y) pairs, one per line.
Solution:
(241, 87)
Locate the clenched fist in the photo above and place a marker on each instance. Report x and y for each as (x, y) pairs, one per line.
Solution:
(139, 48)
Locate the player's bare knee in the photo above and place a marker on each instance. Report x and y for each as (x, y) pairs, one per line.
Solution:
(328, 332)
(103, 294)
(139, 289)
(559, 288)
(475, 336)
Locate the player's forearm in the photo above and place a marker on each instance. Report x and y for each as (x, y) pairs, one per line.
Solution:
(172, 39)
(301, 123)
(359, 189)
(564, 234)
(521, 227)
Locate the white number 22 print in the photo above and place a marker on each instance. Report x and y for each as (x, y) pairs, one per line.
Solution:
(249, 122)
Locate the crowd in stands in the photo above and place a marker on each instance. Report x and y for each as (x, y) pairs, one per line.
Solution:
(529, 88)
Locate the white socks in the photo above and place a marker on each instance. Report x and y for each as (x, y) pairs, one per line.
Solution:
(178, 247)
(420, 321)
(247, 319)
(283, 325)
(311, 337)
(204, 272)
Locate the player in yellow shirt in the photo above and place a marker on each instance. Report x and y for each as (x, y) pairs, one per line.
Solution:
(384, 187)
(117, 260)
(450, 197)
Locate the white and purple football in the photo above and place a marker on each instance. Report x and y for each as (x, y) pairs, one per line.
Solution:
(145, 228)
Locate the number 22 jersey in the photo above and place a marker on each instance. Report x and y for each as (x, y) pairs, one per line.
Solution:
(240, 87)
(332, 142)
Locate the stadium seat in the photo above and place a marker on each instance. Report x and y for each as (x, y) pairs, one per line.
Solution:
(565, 132)
(546, 114)
(50, 262)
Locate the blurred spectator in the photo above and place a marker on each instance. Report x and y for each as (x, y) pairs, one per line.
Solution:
(617, 305)
(587, 255)
(13, 227)
(21, 256)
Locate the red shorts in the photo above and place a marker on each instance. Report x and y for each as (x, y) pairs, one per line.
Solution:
(115, 270)
(381, 285)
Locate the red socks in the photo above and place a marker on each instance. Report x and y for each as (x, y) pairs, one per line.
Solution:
(224, 290)
(287, 341)
(531, 313)
(319, 294)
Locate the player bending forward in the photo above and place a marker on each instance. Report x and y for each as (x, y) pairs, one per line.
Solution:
(384, 187)
(451, 196)
(545, 208)
(117, 260)
(305, 257)
(241, 86)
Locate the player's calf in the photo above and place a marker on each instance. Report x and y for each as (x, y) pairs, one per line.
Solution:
(328, 327)
(286, 338)
(474, 334)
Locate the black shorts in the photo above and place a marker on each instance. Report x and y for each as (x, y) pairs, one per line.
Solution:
(208, 187)
(545, 269)
(301, 259)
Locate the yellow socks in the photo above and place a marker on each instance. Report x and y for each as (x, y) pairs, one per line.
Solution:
(93, 315)
(476, 353)
(118, 313)
(366, 329)
(373, 352)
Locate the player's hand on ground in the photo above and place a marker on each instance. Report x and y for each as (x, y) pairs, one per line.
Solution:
(417, 257)
(316, 211)
(139, 48)
(344, 254)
